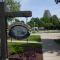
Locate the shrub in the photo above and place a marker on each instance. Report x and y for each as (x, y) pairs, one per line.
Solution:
(34, 38)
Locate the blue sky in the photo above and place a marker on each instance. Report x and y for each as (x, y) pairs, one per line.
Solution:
(38, 6)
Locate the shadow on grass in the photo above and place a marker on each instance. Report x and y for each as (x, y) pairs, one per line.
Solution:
(27, 51)
(50, 46)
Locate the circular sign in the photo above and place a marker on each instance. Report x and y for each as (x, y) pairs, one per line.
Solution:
(19, 32)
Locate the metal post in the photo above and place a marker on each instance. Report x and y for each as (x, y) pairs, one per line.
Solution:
(34, 26)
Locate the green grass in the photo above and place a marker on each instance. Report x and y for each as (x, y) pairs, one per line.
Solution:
(24, 44)
(31, 38)
(34, 38)
(15, 47)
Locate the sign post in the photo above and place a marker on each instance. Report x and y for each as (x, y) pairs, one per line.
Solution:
(3, 27)
(3, 34)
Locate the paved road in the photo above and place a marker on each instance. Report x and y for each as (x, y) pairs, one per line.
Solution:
(48, 35)
(51, 50)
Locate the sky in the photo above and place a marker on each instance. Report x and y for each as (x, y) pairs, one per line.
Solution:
(39, 6)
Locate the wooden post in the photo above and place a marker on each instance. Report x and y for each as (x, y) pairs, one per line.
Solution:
(3, 26)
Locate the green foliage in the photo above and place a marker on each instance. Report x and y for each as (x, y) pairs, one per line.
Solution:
(47, 22)
(18, 48)
(17, 20)
(22, 22)
(14, 6)
(34, 38)
(37, 22)
(15, 48)
(47, 14)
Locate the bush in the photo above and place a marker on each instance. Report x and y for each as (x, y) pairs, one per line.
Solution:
(34, 38)
(16, 48)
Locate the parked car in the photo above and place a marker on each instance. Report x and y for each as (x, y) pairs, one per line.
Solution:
(35, 29)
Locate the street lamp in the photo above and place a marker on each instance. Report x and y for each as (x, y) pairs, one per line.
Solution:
(34, 26)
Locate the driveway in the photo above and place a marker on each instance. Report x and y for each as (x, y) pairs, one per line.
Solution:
(51, 50)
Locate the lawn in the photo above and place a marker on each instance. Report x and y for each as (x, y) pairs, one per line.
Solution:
(30, 38)
(15, 47)
(34, 38)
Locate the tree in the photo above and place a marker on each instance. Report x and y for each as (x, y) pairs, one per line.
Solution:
(55, 21)
(17, 20)
(14, 7)
(47, 14)
(50, 22)
(46, 23)
(22, 22)
(36, 20)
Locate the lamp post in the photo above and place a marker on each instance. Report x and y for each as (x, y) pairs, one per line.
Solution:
(34, 26)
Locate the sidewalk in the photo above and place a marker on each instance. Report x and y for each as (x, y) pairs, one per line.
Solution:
(25, 41)
(51, 50)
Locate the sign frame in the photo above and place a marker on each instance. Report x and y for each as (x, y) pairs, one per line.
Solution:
(19, 37)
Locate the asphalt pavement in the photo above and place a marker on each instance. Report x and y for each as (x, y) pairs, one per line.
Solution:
(51, 50)
(48, 35)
